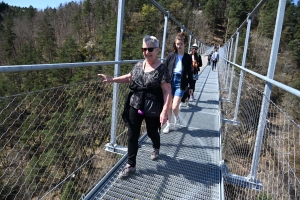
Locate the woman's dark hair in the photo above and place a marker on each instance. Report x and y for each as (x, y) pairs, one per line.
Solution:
(179, 36)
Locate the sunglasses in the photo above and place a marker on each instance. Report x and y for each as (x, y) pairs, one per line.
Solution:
(149, 49)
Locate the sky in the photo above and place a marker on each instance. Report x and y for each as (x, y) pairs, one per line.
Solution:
(42, 4)
(39, 4)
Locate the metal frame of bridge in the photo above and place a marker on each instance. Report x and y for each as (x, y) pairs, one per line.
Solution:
(189, 162)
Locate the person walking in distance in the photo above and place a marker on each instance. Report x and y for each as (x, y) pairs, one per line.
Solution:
(215, 59)
(196, 64)
(179, 64)
(150, 81)
(209, 58)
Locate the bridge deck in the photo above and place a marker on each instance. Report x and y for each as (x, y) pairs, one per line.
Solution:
(188, 166)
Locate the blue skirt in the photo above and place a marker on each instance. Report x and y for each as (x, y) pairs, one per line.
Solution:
(176, 91)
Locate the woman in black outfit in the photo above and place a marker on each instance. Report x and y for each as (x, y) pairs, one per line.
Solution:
(197, 63)
(150, 79)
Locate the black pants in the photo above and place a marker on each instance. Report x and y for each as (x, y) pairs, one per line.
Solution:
(214, 65)
(186, 96)
(134, 129)
(194, 84)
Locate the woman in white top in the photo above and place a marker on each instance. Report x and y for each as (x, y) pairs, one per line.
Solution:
(179, 64)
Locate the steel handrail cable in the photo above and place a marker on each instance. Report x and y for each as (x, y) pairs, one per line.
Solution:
(276, 83)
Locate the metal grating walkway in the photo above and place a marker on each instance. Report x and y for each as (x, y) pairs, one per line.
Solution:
(188, 166)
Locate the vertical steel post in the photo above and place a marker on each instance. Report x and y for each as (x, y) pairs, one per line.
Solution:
(268, 88)
(189, 48)
(165, 36)
(226, 55)
(228, 64)
(200, 47)
(114, 119)
(242, 71)
(234, 61)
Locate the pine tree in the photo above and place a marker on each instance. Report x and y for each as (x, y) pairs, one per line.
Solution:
(87, 12)
(8, 37)
(236, 14)
(267, 18)
(46, 41)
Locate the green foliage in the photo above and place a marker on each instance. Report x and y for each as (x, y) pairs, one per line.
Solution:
(87, 7)
(210, 10)
(90, 36)
(8, 38)
(3, 7)
(187, 13)
(69, 52)
(267, 18)
(291, 32)
(106, 40)
(70, 192)
(150, 16)
(77, 24)
(236, 14)
(99, 11)
(292, 103)
(30, 13)
(264, 196)
(28, 54)
(46, 41)
(176, 8)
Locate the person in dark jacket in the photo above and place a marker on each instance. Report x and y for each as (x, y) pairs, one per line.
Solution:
(149, 79)
(197, 63)
(196, 56)
(209, 58)
(179, 64)
(215, 59)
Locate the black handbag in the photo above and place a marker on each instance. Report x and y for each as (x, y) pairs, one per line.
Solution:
(152, 108)
(125, 113)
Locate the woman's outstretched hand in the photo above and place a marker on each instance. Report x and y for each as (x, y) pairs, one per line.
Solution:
(106, 79)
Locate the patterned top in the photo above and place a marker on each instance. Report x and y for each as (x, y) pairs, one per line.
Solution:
(150, 80)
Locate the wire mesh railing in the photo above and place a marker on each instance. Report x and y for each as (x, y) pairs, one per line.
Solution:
(260, 140)
(279, 156)
(49, 136)
(52, 140)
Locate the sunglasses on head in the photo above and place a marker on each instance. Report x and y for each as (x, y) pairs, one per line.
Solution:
(149, 49)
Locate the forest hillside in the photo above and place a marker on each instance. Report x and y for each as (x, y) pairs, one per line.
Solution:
(86, 31)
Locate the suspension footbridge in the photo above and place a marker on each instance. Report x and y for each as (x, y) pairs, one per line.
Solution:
(69, 142)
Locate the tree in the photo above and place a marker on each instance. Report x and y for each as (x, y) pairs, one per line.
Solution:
(176, 9)
(46, 41)
(267, 18)
(149, 18)
(87, 12)
(77, 24)
(69, 52)
(236, 14)
(8, 37)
